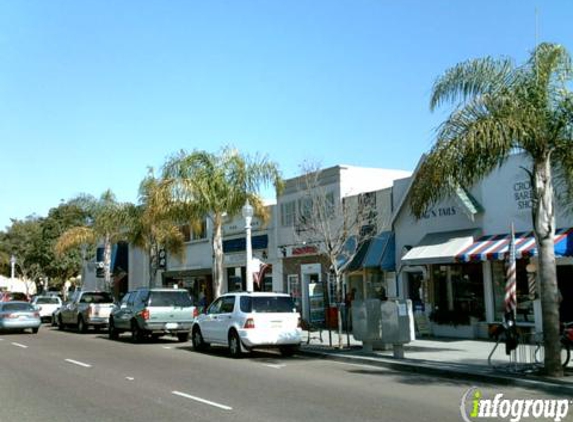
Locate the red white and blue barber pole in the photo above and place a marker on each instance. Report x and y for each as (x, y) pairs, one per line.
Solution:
(510, 278)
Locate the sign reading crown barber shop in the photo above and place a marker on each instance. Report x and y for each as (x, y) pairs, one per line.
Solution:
(523, 194)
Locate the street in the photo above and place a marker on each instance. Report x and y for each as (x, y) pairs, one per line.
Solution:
(66, 376)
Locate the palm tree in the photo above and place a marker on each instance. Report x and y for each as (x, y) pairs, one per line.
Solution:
(107, 222)
(203, 186)
(501, 109)
(150, 226)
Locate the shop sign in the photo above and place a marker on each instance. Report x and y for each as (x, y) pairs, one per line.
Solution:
(523, 194)
(440, 212)
(304, 250)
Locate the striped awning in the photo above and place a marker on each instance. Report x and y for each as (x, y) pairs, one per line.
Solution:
(495, 247)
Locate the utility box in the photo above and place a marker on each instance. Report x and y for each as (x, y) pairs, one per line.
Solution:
(378, 323)
(397, 319)
(367, 320)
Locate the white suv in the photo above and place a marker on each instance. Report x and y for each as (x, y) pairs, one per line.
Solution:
(243, 321)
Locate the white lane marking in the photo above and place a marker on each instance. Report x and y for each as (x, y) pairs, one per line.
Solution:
(167, 347)
(275, 366)
(129, 378)
(76, 362)
(200, 400)
(1, 339)
(23, 346)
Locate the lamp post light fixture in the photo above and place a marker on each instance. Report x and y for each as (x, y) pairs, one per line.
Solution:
(247, 212)
(12, 264)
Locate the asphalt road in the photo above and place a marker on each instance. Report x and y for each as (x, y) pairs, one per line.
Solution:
(67, 376)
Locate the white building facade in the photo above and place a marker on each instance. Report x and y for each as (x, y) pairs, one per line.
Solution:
(451, 262)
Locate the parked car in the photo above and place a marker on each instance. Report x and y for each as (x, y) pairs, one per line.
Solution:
(86, 309)
(55, 317)
(46, 305)
(243, 321)
(153, 312)
(10, 296)
(19, 316)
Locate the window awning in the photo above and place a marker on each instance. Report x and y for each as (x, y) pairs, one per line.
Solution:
(494, 247)
(439, 248)
(376, 252)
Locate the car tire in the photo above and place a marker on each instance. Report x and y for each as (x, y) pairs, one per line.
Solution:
(137, 335)
(112, 331)
(288, 350)
(35, 330)
(60, 323)
(198, 341)
(82, 326)
(235, 345)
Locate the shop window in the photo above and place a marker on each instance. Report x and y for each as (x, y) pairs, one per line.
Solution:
(459, 295)
(295, 291)
(525, 290)
(333, 297)
(287, 214)
(195, 232)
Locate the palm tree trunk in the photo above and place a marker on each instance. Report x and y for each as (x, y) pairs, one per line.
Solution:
(107, 262)
(544, 227)
(152, 265)
(218, 253)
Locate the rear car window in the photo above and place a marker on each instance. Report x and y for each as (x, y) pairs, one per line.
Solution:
(175, 298)
(47, 301)
(267, 304)
(17, 307)
(99, 297)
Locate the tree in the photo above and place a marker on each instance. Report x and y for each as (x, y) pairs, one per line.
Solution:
(68, 265)
(151, 228)
(204, 185)
(107, 222)
(23, 240)
(500, 109)
(336, 227)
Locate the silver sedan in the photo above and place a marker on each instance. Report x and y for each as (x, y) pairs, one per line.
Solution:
(18, 316)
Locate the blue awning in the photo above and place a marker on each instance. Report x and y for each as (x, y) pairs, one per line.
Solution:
(376, 252)
(240, 244)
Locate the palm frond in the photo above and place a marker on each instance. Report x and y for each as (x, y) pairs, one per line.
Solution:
(469, 79)
(74, 238)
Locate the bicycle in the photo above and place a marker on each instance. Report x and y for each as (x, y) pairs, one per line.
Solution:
(566, 341)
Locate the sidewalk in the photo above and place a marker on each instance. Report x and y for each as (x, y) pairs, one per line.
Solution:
(457, 358)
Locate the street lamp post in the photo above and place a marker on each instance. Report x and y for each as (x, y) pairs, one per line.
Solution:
(248, 215)
(12, 264)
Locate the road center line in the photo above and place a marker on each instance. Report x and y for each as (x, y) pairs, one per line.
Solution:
(76, 362)
(200, 400)
(23, 346)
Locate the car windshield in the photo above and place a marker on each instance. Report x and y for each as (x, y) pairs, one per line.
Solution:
(99, 297)
(47, 301)
(17, 307)
(267, 304)
(174, 298)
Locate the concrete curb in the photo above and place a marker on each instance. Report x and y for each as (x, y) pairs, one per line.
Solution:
(444, 370)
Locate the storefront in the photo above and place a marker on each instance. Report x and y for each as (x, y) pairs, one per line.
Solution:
(371, 270)
(451, 261)
(235, 271)
(306, 279)
(199, 284)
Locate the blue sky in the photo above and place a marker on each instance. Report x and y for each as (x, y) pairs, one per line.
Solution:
(92, 92)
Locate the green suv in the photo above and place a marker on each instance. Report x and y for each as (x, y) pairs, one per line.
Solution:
(153, 312)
